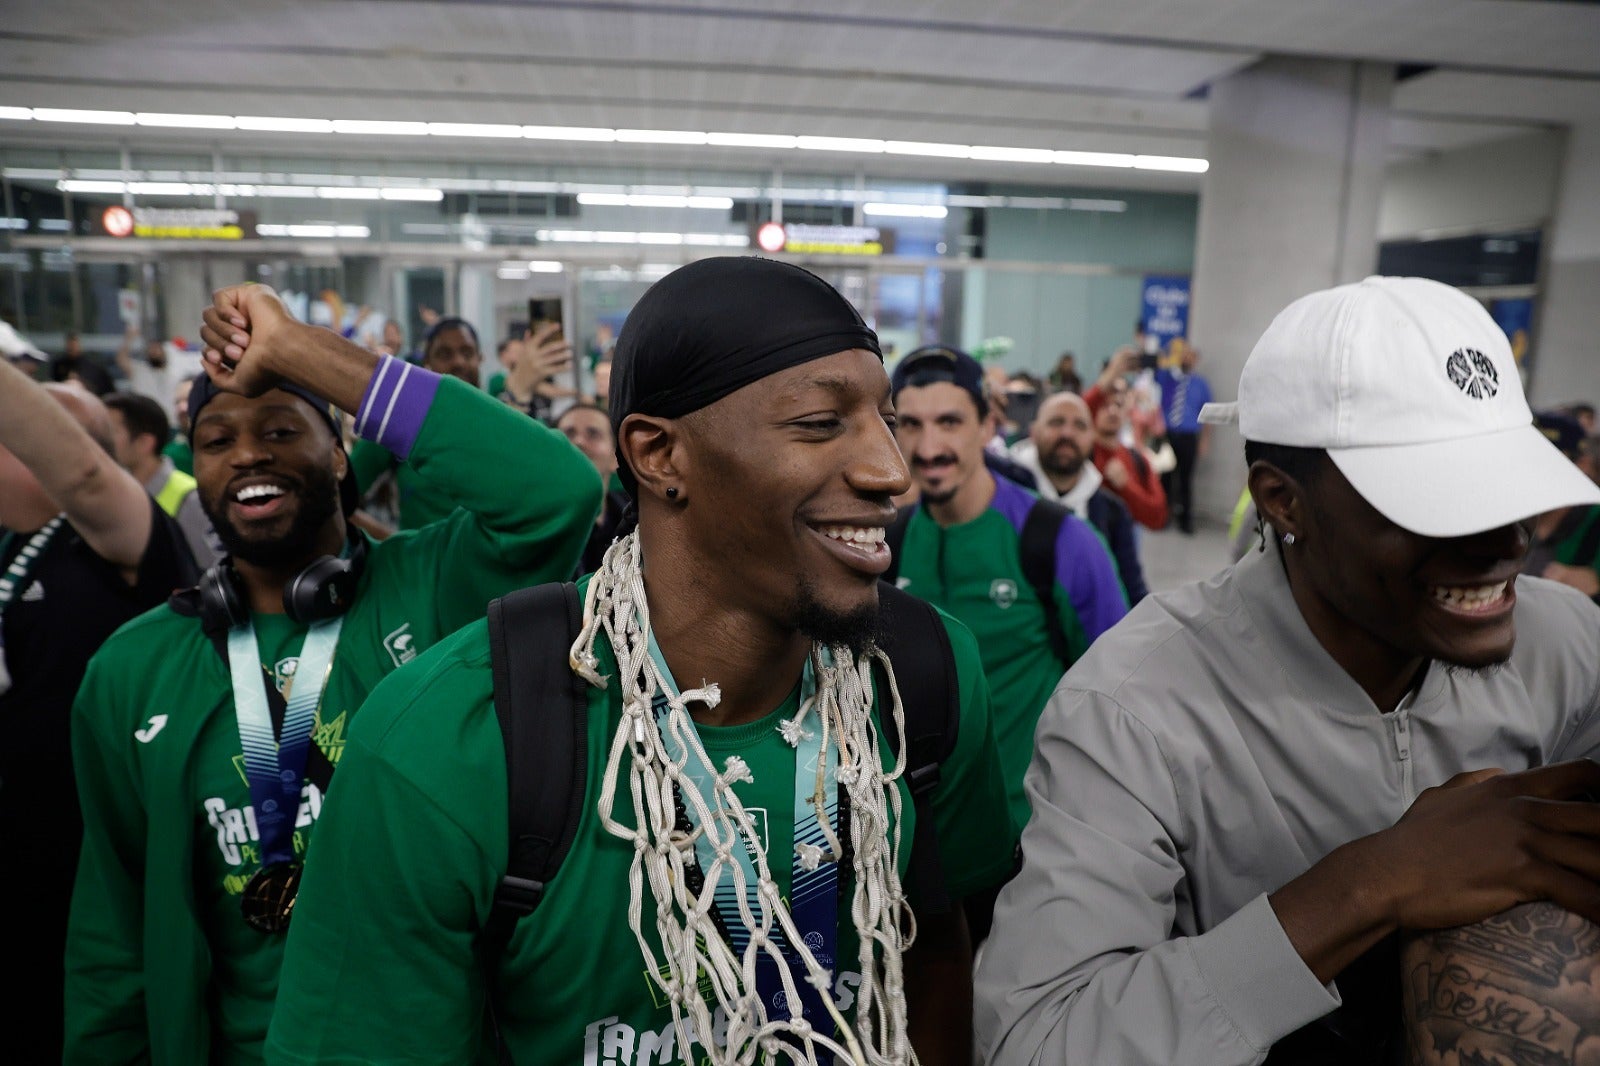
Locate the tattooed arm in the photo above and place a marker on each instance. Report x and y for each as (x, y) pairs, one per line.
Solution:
(1519, 989)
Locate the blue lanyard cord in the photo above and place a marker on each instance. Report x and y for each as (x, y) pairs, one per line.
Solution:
(813, 893)
(276, 770)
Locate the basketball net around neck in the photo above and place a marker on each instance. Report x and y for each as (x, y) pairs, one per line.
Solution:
(659, 760)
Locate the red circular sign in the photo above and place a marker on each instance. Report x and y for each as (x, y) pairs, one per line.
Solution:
(771, 237)
(118, 221)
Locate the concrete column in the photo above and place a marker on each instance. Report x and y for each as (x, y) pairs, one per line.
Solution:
(1289, 206)
(1566, 337)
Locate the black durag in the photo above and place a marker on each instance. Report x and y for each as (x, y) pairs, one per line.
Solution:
(710, 328)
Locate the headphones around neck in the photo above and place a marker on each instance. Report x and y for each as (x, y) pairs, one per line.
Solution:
(323, 590)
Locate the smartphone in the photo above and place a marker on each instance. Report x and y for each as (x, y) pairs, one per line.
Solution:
(543, 309)
(1148, 360)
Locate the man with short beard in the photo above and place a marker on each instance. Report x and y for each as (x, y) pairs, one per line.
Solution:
(731, 629)
(206, 731)
(83, 548)
(1373, 729)
(963, 552)
(1056, 453)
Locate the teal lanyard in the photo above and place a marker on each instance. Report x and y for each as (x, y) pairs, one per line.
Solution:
(813, 893)
(276, 770)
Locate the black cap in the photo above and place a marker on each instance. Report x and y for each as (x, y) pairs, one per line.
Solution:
(935, 363)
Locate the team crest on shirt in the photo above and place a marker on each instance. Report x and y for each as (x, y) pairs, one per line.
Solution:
(283, 673)
(1003, 591)
(401, 645)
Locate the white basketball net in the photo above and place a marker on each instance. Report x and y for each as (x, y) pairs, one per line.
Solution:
(695, 950)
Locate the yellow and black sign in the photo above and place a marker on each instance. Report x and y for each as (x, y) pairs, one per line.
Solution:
(191, 224)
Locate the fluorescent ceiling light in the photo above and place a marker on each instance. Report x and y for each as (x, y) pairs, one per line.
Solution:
(545, 266)
(661, 137)
(585, 236)
(272, 124)
(616, 199)
(1012, 155)
(185, 122)
(419, 195)
(1094, 159)
(905, 210)
(472, 129)
(72, 114)
(313, 230)
(751, 140)
(717, 240)
(568, 133)
(1077, 204)
(17, 114)
(840, 144)
(928, 148)
(659, 238)
(81, 185)
(287, 192)
(169, 188)
(1180, 164)
(347, 192)
(13, 223)
(378, 128)
(512, 273)
(54, 225)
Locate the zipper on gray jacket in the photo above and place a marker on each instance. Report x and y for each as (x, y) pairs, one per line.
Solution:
(1400, 730)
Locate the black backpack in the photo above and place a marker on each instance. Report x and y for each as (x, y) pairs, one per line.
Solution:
(1041, 529)
(543, 711)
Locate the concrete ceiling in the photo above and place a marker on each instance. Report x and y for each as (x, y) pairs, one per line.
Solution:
(1128, 76)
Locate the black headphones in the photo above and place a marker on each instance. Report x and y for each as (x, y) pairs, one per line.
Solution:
(322, 590)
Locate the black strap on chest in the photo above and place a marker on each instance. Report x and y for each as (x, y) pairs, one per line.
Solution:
(542, 707)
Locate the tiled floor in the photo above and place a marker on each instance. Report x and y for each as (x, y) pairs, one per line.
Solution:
(1171, 558)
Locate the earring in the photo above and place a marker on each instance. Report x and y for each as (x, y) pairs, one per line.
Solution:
(1288, 538)
(672, 494)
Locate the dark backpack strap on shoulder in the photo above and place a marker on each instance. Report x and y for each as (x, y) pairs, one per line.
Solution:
(914, 638)
(894, 537)
(543, 711)
(1041, 531)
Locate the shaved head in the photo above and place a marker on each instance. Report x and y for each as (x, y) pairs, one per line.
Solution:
(88, 409)
(1064, 402)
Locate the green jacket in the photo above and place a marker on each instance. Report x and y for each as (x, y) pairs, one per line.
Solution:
(408, 862)
(140, 967)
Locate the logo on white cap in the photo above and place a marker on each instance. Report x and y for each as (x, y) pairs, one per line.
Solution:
(1473, 373)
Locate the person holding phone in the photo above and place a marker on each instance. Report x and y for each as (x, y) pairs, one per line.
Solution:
(532, 364)
(1183, 393)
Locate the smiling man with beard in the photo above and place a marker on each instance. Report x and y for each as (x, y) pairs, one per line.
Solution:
(1371, 727)
(1056, 453)
(206, 731)
(730, 682)
(980, 546)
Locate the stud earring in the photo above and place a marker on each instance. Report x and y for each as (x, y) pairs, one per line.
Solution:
(1288, 538)
(672, 494)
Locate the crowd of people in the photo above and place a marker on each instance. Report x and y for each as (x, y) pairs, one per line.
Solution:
(774, 704)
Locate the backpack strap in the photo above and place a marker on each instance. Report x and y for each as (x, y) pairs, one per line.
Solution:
(894, 537)
(1041, 531)
(543, 709)
(913, 636)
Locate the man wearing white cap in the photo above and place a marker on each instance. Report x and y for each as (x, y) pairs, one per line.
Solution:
(1372, 727)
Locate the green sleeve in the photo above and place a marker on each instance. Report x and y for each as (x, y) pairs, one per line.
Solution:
(526, 499)
(380, 965)
(369, 461)
(977, 837)
(105, 994)
(497, 385)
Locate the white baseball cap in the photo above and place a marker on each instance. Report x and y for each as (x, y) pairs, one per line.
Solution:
(1411, 388)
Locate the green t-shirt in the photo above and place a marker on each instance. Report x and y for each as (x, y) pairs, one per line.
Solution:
(382, 966)
(497, 384)
(974, 571)
(160, 965)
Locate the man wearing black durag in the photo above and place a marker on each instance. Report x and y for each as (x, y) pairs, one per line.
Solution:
(746, 865)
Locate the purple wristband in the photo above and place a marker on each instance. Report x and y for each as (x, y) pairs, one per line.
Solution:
(395, 404)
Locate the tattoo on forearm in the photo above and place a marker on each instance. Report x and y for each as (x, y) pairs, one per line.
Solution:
(1520, 989)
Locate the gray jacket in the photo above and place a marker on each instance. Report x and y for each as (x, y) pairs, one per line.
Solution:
(1203, 753)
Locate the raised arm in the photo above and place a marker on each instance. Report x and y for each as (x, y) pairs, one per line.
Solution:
(109, 509)
(1520, 987)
